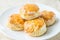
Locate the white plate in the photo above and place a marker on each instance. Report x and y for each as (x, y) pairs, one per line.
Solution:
(52, 31)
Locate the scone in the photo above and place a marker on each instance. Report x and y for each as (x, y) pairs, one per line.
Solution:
(49, 17)
(15, 22)
(29, 11)
(36, 27)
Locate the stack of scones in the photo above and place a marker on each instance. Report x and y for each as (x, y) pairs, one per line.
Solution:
(31, 20)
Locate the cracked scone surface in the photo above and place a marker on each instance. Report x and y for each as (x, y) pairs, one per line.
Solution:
(49, 17)
(36, 27)
(15, 22)
(29, 11)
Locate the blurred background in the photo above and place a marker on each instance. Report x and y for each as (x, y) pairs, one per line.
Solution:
(5, 4)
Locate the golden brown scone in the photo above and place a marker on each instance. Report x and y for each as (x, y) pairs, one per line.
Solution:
(15, 22)
(35, 27)
(29, 11)
(49, 17)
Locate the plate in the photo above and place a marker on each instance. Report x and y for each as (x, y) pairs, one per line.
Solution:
(20, 35)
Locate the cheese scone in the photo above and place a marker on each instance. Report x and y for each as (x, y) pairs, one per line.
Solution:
(36, 27)
(29, 11)
(15, 22)
(49, 17)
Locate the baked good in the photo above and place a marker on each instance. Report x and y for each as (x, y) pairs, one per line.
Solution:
(29, 11)
(49, 17)
(35, 27)
(15, 22)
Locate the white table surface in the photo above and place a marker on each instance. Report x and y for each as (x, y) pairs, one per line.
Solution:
(5, 4)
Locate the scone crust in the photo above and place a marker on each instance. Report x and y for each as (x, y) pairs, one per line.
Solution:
(35, 27)
(15, 22)
(49, 17)
(29, 11)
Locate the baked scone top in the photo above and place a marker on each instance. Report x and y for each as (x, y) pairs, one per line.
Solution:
(31, 7)
(34, 25)
(47, 14)
(16, 19)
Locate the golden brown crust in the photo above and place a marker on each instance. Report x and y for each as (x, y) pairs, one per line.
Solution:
(35, 24)
(16, 19)
(29, 11)
(31, 7)
(47, 14)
